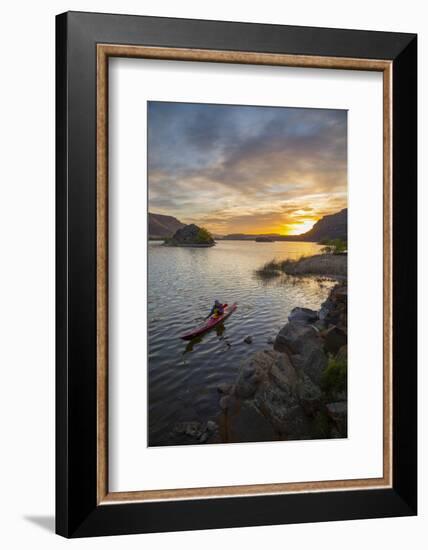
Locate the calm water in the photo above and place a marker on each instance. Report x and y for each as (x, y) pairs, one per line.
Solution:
(183, 283)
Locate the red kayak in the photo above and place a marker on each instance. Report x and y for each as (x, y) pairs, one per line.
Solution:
(210, 323)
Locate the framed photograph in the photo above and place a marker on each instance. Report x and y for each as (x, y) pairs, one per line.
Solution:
(236, 274)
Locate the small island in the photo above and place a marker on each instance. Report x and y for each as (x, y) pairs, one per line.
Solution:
(264, 240)
(191, 236)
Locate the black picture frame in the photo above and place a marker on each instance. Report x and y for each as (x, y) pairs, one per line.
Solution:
(77, 511)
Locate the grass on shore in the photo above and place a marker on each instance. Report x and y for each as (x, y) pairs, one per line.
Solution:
(320, 264)
(269, 269)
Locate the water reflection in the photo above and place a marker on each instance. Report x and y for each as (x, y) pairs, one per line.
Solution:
(218, 329)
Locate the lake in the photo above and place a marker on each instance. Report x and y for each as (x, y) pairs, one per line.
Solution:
(183, 284)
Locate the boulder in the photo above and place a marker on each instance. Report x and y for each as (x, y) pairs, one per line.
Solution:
(225, 388)
(283, 373)
(285, 413)
(192, 429)
(305, 347)
(268, 381)
(180, 428)
(229, 403)
(211, 426)
(293, 336)
(249, 425)
(252, 371)
(204, 437)
(248, 340)
(246, 388)
(325, 310)
(310, 395)
(334, 339)
(303, 314)
(340, 293)
(277, 399)
(312, 362)
(334, 310)
(319, 326)
(338, 412)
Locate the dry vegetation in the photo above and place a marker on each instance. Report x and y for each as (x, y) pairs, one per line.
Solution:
(321, 264)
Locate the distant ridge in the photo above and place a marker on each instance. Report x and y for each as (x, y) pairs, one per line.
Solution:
(334, 226)
(161, 226)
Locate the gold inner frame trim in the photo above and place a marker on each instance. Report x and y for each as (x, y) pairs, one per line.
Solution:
(104, 51)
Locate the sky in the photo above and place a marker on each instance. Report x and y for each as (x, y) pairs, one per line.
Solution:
(246, 169)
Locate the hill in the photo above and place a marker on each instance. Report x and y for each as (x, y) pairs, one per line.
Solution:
(161, 226)
(334, 226)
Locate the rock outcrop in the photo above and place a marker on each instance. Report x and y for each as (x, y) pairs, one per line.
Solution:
(191, 235)
(195, 432)
(305, 347)
(303, 314)
(286, 386)
(334, 311)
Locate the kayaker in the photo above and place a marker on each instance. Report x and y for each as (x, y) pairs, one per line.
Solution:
(217, 310)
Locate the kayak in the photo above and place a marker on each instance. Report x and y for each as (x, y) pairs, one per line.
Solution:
(209, 323)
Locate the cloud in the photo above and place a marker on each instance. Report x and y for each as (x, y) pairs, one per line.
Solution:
(240, 167)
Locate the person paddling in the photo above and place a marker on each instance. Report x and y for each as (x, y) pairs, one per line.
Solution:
(217, 310)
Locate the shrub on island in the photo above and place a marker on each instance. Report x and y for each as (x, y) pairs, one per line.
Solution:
(191, 235)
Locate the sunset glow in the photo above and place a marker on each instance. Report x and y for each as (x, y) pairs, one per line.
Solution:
(253, 170)
(299, 228)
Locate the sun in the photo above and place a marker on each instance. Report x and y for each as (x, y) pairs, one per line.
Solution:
(298, 228)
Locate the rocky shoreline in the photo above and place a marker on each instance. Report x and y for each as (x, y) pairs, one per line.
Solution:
(295, 390)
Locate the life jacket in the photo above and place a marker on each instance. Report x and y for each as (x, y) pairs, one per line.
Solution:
(219, 309)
